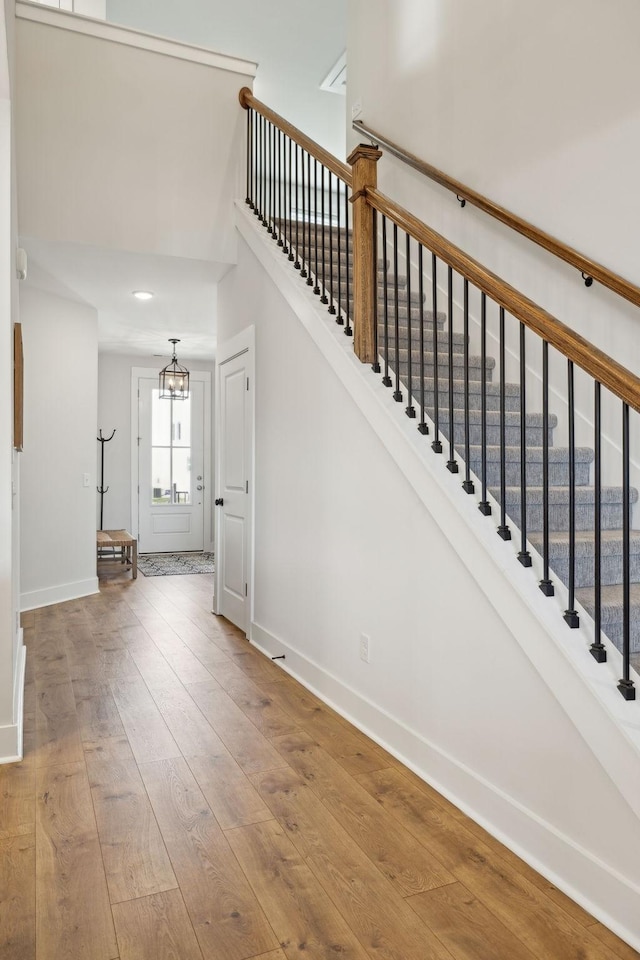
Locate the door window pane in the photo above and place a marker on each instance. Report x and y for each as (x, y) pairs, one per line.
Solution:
(182, 475)
(161, 475)
(160, 421)
(182, 423)
(170, 450)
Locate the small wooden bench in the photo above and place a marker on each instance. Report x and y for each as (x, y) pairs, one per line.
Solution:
(119, 540)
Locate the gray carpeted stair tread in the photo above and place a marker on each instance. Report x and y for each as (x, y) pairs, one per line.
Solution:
(443, 338)
(534, 454)
(611, 542)
(511, 390)
(611, 611)
(476, 372)
(428, 355)
(425, 314)
(560, 495)
(611, 553)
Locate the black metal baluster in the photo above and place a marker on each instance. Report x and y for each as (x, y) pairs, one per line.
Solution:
(571, 614)
(248, 196)
(410, 409)
(545, 584)
(348, 329)
(452, 465)
(290, 225)
(484, 506)
(375, 366)
(386, 380)
(467, 484)
(309, 241)
(303, 249)
(267, 222)
(280, 191)
(254, 158)
(397, 393)
(276, 189)
(316, 288)
(262, 170)
(503, 529)
(274, 183)
(267, 174)
(286, 233)
(436, 445)
(332, 306)
(626, 685)
(323, 298)
(296, 264)
(523, 555)
(339, 318)
(422, 426)
(598, 649)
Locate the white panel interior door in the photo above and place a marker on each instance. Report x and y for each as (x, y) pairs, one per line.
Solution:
(234, 468)
(171, 480)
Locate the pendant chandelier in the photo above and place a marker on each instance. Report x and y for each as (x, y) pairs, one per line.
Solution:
(174, 379)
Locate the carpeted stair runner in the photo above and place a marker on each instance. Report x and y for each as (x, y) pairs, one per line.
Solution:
(394, 356)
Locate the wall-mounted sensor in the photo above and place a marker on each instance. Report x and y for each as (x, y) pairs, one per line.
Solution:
(21, 264)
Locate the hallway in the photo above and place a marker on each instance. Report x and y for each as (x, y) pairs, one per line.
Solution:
(182, 797)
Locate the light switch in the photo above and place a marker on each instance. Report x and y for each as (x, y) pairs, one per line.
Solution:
(86, 479)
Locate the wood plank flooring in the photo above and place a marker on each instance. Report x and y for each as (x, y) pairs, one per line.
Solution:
(182, 798)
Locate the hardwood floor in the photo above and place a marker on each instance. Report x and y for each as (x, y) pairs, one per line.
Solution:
(182, 798)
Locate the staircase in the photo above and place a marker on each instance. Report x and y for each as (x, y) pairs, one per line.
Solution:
(331, 256)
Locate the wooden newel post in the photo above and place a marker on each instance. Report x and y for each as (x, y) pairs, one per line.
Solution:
(363, 162)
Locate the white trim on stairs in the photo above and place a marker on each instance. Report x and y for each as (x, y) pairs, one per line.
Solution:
(102, 30)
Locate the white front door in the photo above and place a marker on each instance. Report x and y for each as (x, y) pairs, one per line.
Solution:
(233, 496)
(171, 476)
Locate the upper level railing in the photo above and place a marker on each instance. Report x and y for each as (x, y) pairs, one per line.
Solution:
(590, 269)
(570, 505)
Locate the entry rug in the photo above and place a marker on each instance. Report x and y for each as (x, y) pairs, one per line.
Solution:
(174, 564)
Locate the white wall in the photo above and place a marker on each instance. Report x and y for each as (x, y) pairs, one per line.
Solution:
(61, 396)
(343, 545)
(295, 46)
(125, 148)
(114, 411)
(532, 104)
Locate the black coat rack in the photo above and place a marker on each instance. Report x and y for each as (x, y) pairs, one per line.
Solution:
(102, 489)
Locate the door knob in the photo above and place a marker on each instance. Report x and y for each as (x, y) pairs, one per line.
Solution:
(219, 502)
(199, 487)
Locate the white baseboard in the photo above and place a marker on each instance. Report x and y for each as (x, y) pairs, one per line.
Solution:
(58, 594)
(599, 889)
(11, 742)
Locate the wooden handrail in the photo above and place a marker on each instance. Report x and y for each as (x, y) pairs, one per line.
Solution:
(340, 169)
(589, 268)
(595, 362)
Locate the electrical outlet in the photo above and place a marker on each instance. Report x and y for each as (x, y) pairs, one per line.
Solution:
(364, 647)
(356, 109)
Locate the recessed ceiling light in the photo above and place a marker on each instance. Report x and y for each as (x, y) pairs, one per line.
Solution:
(142, 294)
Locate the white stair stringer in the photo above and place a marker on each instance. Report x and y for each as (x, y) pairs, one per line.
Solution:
(585, 691)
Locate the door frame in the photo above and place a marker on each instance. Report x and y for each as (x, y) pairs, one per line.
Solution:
(151, 373)
(243, 342)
